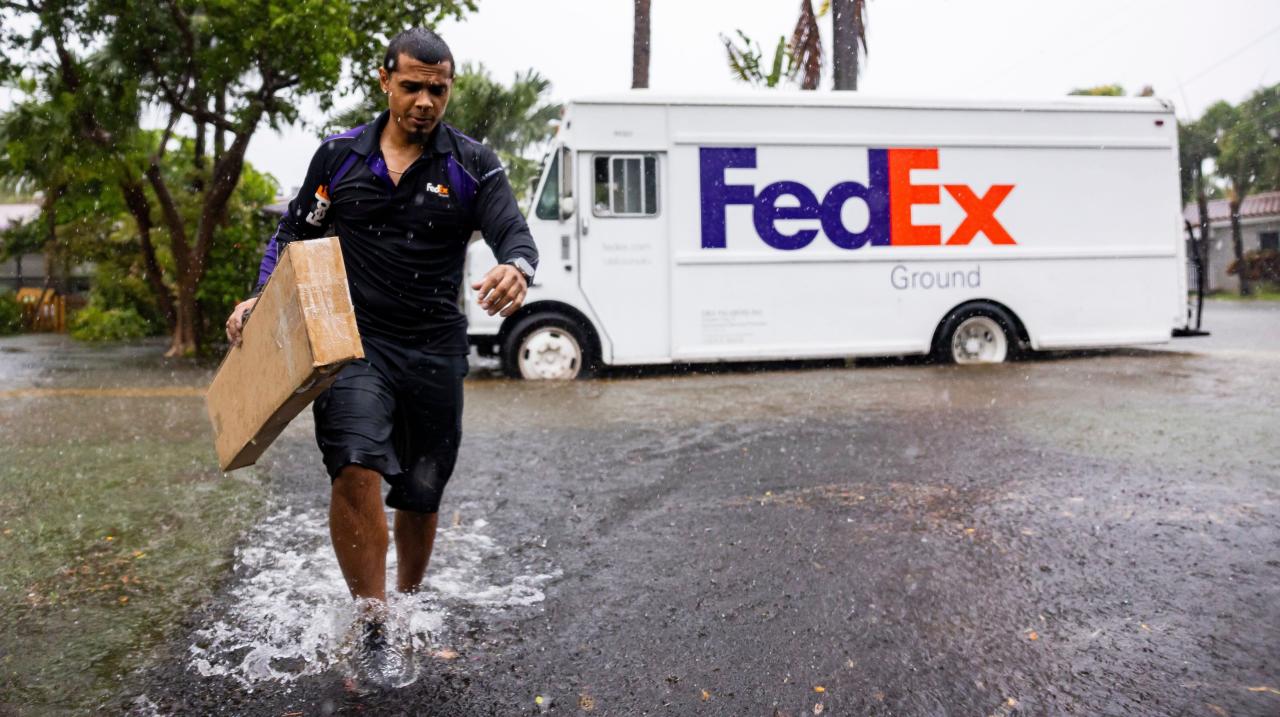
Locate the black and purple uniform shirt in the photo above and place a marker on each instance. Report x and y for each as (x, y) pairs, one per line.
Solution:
(404, 245)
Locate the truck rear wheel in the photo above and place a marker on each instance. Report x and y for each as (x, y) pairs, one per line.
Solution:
(547, 347)
(977, 333)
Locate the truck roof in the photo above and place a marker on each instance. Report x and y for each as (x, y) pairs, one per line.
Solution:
(775, 98)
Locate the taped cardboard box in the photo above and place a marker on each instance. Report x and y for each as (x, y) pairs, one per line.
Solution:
(300, 333)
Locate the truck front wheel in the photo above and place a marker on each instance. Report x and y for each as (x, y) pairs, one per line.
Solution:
(976, 333)
(547, 347)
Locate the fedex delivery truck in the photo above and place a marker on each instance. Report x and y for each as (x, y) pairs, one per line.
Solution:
(810, 225)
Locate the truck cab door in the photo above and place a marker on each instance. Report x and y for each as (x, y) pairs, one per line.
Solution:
(623, 252)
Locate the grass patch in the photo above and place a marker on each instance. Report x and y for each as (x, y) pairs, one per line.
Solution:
(107, 546)
(1260, 293)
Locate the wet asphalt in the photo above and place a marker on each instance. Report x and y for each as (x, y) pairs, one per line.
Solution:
(1093, 534)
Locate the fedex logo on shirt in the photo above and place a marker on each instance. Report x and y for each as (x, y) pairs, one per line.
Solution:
(889, 195)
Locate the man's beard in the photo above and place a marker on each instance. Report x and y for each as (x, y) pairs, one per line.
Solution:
(416, 136)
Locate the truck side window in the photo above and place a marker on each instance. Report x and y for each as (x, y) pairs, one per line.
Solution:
(626, 185)
(549, 200)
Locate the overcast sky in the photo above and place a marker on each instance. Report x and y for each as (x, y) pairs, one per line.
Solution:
(1191, 51)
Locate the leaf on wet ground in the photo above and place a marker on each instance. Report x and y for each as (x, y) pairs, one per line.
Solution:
(1216, 709)
(586, 702)
(445, 653)
(818, 708)
(819, 688)
(1005, 709)
(705, 695)
(1264, 688)
(1033, 635)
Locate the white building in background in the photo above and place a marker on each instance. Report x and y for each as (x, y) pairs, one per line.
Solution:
(26, 270)
(1259, 229)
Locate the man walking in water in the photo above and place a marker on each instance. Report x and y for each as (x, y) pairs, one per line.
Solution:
(403, 194)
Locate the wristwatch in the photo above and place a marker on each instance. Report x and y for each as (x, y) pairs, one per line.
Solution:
(524, 267)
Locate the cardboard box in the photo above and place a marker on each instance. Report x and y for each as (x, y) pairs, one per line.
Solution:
(300, 333)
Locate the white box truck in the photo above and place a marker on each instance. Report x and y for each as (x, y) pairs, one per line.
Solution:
(808, 225)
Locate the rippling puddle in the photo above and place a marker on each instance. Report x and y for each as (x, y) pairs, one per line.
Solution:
(291, 614)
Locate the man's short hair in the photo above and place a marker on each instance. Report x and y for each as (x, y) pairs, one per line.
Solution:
(422, 45)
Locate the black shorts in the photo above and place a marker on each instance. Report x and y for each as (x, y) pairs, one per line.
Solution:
(397, 411)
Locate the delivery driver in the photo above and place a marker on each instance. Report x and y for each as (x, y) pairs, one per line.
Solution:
(403, 194)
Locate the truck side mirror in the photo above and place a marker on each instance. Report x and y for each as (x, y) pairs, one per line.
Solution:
(566, 207)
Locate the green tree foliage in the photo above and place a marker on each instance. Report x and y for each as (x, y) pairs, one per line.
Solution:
(1246, 158)
(747, 63)
(512, 119)
(95, 323)
(225, 67)
(10, 314)
(1241, 143)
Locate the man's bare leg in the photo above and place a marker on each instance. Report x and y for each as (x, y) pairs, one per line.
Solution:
(358, 528)
(415, 536)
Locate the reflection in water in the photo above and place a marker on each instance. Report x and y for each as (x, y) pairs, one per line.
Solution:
(292, 616)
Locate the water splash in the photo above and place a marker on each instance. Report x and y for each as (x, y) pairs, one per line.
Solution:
(292, 615)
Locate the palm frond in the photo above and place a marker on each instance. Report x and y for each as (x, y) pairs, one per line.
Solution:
(744, 60)
(806, 48)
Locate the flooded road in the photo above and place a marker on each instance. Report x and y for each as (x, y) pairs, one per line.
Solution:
(1094, 534)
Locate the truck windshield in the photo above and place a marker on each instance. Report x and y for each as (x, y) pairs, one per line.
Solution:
(549, 199)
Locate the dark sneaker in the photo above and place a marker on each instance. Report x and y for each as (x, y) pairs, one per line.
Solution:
(379, 662)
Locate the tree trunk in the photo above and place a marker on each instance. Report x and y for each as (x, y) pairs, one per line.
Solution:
(844, 45)
(1202, 204)
(51, 234)
(226, 175)
(135, 198)
(17, 279)
(640, 47)
(219, 139)
(185, 340)
(1237, 243)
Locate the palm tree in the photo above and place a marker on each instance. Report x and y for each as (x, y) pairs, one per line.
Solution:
(848, 38)
(800, 59)
(640, 47)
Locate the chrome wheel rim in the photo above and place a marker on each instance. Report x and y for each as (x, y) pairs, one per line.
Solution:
(979, 339)
(550, 353)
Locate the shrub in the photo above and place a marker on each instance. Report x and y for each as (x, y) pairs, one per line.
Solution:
(94, 323)
(1258, 265)
(10, 314)
(122, 287)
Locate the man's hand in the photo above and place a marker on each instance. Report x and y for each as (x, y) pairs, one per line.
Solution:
(501, 291)
(235, 322)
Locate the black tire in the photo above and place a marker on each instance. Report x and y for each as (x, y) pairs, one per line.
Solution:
(971, 317)
(555, 328)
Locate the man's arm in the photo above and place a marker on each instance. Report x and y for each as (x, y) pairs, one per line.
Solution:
(306, 218)
(504, 229)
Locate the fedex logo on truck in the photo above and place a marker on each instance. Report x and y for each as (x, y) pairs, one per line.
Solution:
(889, 195)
